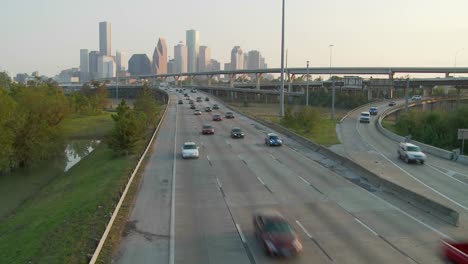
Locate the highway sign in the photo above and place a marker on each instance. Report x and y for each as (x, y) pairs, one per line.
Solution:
(462, 134)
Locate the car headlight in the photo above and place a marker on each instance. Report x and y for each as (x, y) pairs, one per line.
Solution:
(296, 244)
(271, 141)
(270, 245)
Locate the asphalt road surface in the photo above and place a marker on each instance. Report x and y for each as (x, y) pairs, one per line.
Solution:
(214, 198)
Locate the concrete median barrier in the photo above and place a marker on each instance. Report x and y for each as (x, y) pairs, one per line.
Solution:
(419, 201)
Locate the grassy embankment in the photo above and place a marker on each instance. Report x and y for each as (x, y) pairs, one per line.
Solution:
(65, 218)
(323, 132)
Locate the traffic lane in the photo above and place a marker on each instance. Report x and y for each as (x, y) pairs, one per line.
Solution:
(146, 238)
(401, 219)
(295, 206)
(450, 187)
(205, 232)
(245, 195)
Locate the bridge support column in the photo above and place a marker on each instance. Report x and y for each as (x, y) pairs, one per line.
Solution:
(258, 77)
(447, 75)
(176, 78)
(427, 91)
(291, 78)
(391, 88)
(210, 78)
(458, 97)
(369, 93)
(191, 79)
(232, 78)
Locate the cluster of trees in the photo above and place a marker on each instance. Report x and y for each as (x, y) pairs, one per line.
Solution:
(131, 124)
(304, 119)
(342, 100)
(30, 117)
(437, 128)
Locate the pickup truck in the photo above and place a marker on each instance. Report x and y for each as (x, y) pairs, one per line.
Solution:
(455, 252)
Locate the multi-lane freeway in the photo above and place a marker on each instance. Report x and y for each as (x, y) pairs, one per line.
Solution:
(200, 210)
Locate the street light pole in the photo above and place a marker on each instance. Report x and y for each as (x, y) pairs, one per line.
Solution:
(333, 85)
(307, 86)
(455, 60)
(281, 112)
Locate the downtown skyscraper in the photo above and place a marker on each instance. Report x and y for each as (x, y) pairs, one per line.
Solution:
(204, 59)
(104, 39)
(237, 59)
(193, 43)
(160, 57)
(180, 58)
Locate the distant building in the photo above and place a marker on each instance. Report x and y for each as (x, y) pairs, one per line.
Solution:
(180, 58)
(227, 67)
(263, 64)
(68, 76)
(160, 57)
(93, 64)
(139, 64)
(253, 61)
(171, 66)
(84, 65)
(214, 65)
(105, 38)
(192, 40)
(106, 67)
(204, 59)
(121, 61)
(21, 78)
(237, 58)
(245, 60)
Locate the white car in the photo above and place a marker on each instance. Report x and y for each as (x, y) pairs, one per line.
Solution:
(416, 98)
(190, 150)
(409, 152)
(364, 117)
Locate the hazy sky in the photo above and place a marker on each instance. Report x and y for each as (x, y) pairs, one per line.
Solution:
(46, 35)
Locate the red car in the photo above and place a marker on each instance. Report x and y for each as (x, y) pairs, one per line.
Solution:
(276, 235)
(454, 252)
(217, 117)
(208, 130)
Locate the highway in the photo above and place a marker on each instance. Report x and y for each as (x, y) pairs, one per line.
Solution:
(206, 216)
(442, 180)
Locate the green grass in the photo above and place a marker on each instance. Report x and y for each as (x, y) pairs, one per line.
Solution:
(389, 125)
(63, 222)
(89, 127)
(323, 133)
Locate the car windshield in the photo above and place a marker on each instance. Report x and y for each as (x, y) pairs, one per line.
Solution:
(236, 130)
(365, 114)
(273, 137)
(277, 227)
(413, 149)
(207, 127)
(190, 146)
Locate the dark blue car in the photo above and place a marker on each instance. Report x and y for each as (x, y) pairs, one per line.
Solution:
(373, 110)
(272, 139)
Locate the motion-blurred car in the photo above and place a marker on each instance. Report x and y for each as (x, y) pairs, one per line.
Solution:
(392, 103)
(194, 90)
(416, 98)
(364, 117)
(410, 152)
(275, 234)
(208, 109)
(208, 130)
(455, 252)
(229, 115)
(191, 102)
(373, 110)
(199, 99)
(217, 117)
(190, 150)
(186, 95)
(207, 99)
(181, 102)
(272, 139)
(193, 107)
(197, 112)
(215, 106)
(236, 132)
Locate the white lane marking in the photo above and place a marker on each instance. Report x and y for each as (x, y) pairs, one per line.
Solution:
(450, 174)
(273, 157)
(303, 229)
(304, 180)
(219, 183)
(172, 231)
(208, 158)
(240, 157)
(227, 142)
(240, 233)
(366, 227)
(412, 176)
(261, 180)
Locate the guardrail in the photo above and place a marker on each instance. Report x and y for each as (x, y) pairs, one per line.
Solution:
(129, 183)
(421, 202)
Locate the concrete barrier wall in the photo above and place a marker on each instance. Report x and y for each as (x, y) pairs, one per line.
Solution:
(434, 208)
(462, 159)
(438, 152)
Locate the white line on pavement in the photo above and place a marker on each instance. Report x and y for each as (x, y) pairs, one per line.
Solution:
(366, 227)
(303, 228)
(448, 174)
(172, 232)
(208, 157)
(219, 183)
(273, 157)
(304, 180)
(414, 177)
(260, 180)
(240, 233)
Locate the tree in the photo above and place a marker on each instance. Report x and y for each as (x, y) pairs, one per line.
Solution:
(128, 128)
(5, 80)
(8, 122)
(146, 103)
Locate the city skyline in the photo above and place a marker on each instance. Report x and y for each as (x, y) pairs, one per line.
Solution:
(387, 35)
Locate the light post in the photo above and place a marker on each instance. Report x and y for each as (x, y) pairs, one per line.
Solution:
(307, 86)
(455, 59)
(333, 85)
(281, 112)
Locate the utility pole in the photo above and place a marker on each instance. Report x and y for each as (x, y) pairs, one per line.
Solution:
(307, 86)
(281, 112)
